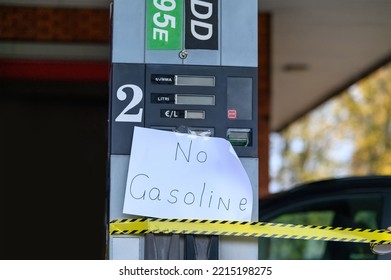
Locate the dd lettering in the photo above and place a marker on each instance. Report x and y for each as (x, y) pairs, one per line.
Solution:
(203, 11)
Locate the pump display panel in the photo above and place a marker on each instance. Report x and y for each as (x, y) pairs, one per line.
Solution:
(213, 101)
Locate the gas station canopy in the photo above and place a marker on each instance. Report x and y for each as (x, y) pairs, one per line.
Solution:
(319, 48)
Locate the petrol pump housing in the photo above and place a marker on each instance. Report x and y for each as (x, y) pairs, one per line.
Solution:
(189, 66)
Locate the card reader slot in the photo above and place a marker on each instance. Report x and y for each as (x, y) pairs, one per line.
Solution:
(240, 137)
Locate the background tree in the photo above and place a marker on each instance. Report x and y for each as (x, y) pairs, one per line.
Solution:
(348, 135)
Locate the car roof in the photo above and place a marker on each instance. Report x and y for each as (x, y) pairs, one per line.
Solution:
(323, 188)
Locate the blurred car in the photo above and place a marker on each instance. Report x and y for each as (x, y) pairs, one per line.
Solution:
(356, 202)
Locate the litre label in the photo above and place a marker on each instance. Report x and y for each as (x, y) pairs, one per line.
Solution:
(164, 24)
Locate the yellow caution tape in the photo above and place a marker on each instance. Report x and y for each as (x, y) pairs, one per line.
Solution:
(248, 229)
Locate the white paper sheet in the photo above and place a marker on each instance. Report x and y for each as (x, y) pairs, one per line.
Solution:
(174, 175)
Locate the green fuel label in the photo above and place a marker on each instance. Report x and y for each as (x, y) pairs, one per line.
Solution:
(164, 24)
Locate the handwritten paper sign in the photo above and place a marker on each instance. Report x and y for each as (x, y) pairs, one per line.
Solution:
(174, 175)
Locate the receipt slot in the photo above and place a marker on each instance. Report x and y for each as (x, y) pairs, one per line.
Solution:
(182, 65)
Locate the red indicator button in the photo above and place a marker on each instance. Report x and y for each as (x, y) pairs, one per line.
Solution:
(232, 114)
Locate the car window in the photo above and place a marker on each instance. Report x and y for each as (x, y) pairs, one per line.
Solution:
(355, 212)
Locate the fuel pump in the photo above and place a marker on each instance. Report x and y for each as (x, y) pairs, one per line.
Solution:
(187, 66)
